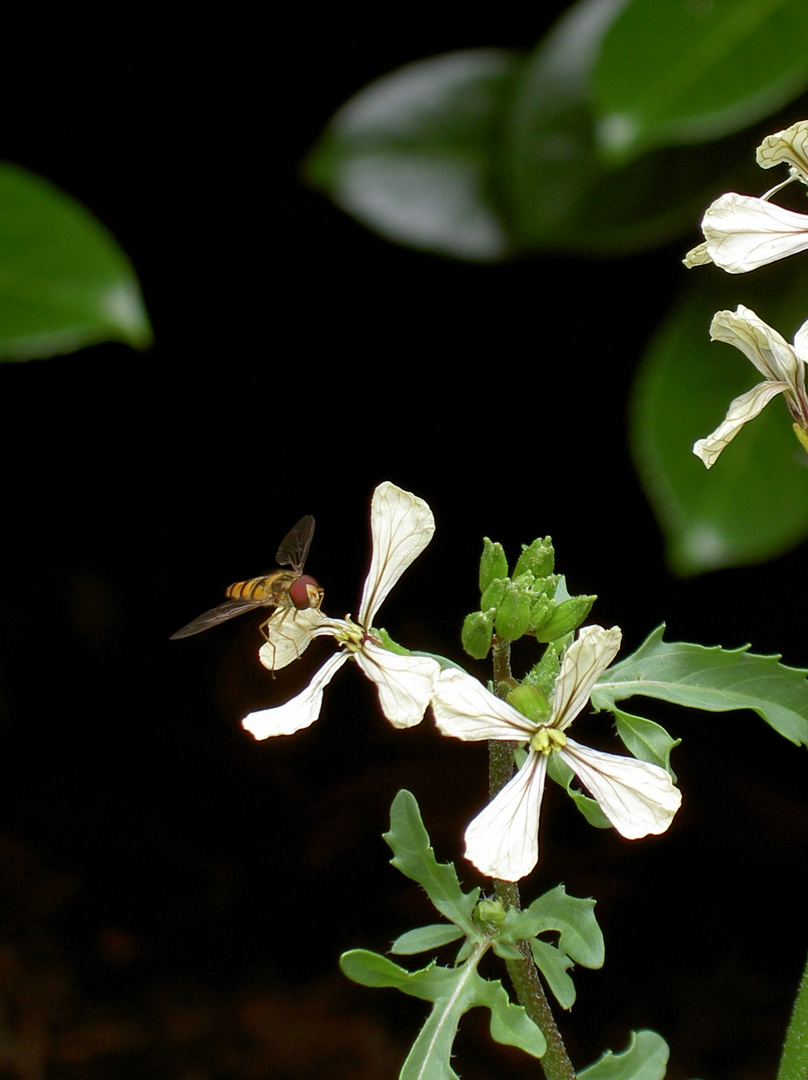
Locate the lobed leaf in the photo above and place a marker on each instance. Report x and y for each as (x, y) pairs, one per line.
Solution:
(414, 857)
(713, 679)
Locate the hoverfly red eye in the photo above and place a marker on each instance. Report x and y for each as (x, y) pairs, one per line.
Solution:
(299, 591)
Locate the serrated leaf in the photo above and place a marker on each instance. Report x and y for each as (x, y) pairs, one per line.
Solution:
(65, 283)
(680, 72)
(414, 857)
(424, 938)
(713, 679)
(753, 503)
(645, 1058)
(415, 155)
(646, 740)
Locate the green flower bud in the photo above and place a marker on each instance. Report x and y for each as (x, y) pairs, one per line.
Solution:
(530, 702)
(566, 617)
(513, 614)
(491, 912)
(544, 674)
(539, 558)
(540, 611)
(478, 629)
(493, 564)
(494, 594)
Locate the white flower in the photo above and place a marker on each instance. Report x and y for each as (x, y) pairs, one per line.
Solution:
(781, 364)
(742, 232)
(502, 841)
(401, 527)
(789, 147)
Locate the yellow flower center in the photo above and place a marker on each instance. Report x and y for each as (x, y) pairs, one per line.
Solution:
(351, 636)
(547, 740)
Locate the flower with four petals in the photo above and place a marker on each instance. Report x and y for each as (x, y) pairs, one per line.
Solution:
(401, 527)
(782, 366)
(638, 798)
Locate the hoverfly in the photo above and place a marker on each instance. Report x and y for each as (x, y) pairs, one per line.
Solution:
(286, 591)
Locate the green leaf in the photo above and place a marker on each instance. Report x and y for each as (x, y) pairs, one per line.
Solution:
(414, 857)
(65, 283)
(580, 939)
(681, 72)
(645, 1058)
(425, 938)
(573, 917)
(554, 966)
(565, 193)
(753, 503)
(563, 775)
(646, 740)
(713, 679)
(453, 992)
(415, 155)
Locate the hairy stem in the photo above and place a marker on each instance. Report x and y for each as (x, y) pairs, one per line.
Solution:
(523, 972)
(794, 1062)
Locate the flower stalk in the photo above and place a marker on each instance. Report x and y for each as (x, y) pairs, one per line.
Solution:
(523, 972)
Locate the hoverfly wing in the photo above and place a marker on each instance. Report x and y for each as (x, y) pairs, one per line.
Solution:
(221, 613)
(295, 545)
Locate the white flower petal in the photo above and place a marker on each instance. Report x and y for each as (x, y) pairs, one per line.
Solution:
(289, 634)
(697, 256)
(298, 713)
(503, 840)
(638, 798)
(584, 662)
(464, 709)
(789, 146)
(742, 409)
(760, 343)
(404, 683)
(743, 232)
(801, 343)
(401, 526)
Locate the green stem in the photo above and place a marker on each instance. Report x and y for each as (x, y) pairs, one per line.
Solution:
(524, 975)
(794, 1062)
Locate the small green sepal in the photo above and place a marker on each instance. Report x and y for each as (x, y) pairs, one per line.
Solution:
(478, 630)
(493, 563)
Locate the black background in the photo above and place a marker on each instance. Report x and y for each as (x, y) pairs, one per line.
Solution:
(174, 895)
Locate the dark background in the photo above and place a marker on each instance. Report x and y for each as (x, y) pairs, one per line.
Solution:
(173, 895)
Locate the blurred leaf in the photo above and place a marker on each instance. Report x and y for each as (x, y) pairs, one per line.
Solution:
(684, 72)
(712, 679)
(565, 194)
(753, 503)
(414, 156)
(64, 282)
(645, 1058)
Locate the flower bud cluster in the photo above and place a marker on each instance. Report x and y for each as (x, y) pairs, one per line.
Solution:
(532, 601)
